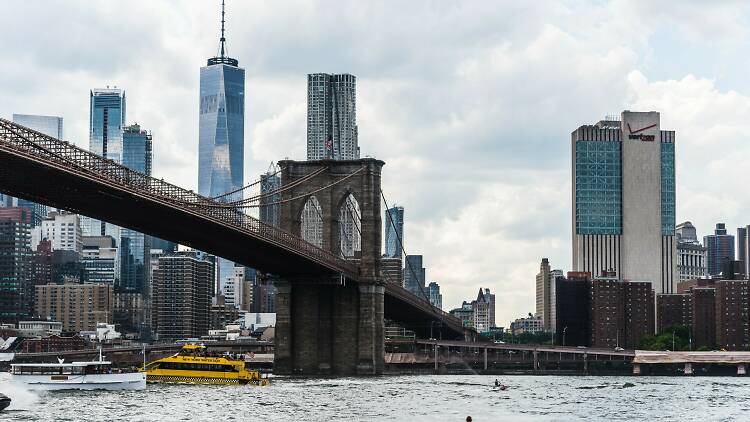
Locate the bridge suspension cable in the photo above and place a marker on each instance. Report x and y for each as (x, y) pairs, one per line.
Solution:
(257, 198)
(232, 205)
(223, 195)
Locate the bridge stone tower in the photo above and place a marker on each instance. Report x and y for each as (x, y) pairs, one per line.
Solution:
(332, 324)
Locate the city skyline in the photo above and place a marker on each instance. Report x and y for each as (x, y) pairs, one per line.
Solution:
(522, 199)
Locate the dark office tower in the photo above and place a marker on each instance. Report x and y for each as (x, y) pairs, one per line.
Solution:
(573, 310)
(414, 276)
(135, 249)
(16, 283)
(624, 199)
(269, 209)
(106, 122)
(719, 249)
(221, 141)
(182, 289)
(704, 317)
(743, 249)
(732, 314)
(394, 232)
(332, 117)
(673, 310)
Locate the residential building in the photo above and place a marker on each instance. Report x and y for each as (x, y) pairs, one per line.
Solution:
(719, 249)
(436, 299)
(414, 276)
(16, 282)
(100, 260)
(128, 312)
(688, 285)
(62, 229)
(732, 314)
(181, 298)
(79, 307)
(332, 117)
(392, 269)
(394, 232)
(622, 312)
(264, 293)
(572, 310)
(624, 199)
(673, 310)
(47, 125)
(484, 310)
(233, 289)
(106, 123)
(135, 247)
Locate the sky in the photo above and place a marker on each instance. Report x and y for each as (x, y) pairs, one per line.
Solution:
(470, 104)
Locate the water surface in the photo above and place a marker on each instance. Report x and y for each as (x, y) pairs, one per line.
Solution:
(411, 398)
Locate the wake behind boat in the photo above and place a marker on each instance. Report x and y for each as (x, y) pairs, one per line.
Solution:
(93, 375)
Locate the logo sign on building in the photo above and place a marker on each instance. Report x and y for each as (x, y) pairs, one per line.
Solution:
(637, 134)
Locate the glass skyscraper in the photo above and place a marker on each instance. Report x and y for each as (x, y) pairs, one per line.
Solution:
(135, 246)
(50, 126)
(221, 126)
(624, 200)
(394, 230)
(106, 122)
(332, 117)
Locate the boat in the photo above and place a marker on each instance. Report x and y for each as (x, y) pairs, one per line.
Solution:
(4, 401)
(194, 364)
(93, 375)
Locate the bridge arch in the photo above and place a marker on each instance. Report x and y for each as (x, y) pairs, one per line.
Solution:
(311, 221)
(349, 226)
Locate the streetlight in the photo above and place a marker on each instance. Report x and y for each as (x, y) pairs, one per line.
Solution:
(564, 330)
(673, 339)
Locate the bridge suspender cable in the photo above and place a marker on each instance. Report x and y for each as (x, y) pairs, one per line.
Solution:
(245, 187)
(299, 181)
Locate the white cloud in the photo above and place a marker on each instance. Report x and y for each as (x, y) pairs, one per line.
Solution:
(469, 103)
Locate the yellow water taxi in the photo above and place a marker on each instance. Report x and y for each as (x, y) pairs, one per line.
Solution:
(193, 364)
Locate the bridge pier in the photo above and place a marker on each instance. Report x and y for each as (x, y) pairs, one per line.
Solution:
(329, 329)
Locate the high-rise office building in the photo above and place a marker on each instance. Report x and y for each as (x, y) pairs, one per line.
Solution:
(414, 276)
(135, 248)
(100, 260)
(743, 249)
(50, 126)
(436, 299)
(691, 255)
(62, 229)
(182, 288)
(16, 283)
(543, 304)
(270, 181)
(332, 117)
(106, 123)
(624, 199)
(484, 310)
(221, 127)
(719, 249)
(394, 231)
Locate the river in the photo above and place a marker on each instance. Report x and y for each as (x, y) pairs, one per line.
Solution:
(410, 398)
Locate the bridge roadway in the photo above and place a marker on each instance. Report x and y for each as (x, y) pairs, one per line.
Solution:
(529, 348)
(57, 173)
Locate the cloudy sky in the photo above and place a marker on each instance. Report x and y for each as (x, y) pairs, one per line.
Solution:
(469, 103)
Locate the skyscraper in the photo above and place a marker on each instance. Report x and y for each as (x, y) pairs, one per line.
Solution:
(332, 117)
(135, 249)
(269, 210)
(50, 126)
(543, 304)
(106, 122)
(414, 276)
(436, 299)
(394, 232)
(16, 285)
(719, 249)
(624, 200)
(221, 141)
(743, 251)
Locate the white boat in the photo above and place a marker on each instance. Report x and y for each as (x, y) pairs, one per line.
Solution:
(93, 375)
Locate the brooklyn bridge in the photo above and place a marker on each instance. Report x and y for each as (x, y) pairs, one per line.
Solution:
(330, 305)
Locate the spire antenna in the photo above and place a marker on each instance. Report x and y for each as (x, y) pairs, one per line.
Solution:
(222, 39)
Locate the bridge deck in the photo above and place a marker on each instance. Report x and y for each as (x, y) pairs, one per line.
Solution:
(652, 357)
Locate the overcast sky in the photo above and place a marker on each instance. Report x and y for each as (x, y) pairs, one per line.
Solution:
(470, 104)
